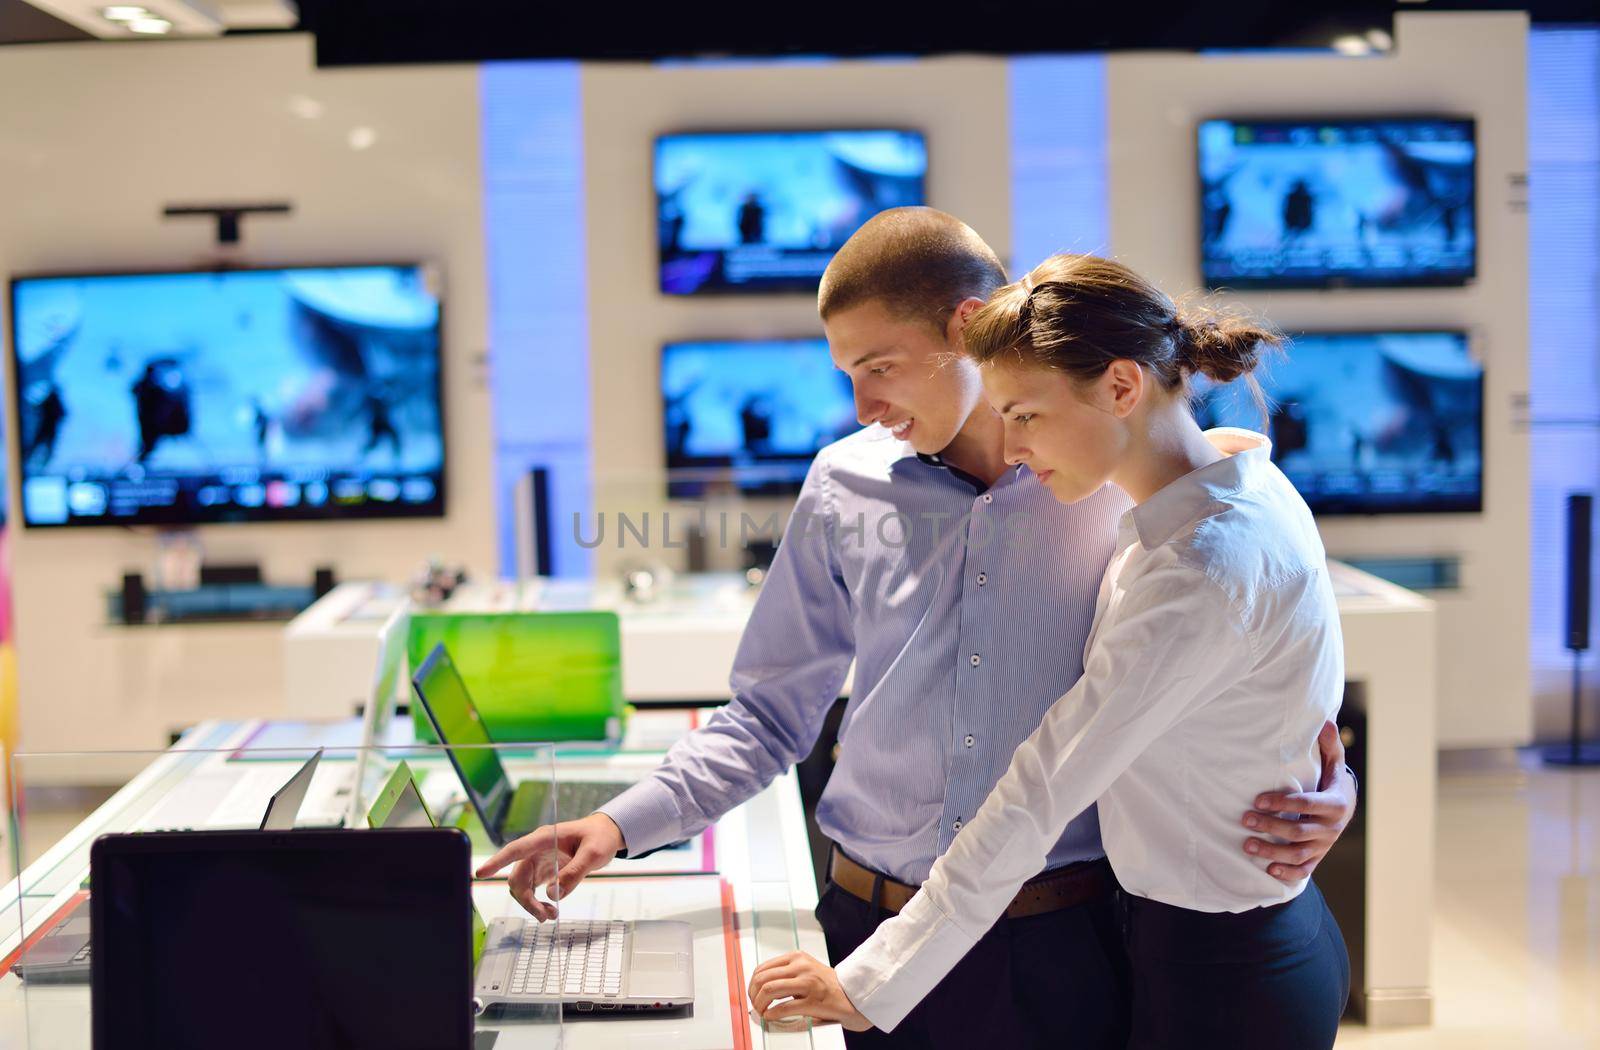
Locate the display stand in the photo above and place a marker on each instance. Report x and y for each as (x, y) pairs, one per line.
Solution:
(1575, 753)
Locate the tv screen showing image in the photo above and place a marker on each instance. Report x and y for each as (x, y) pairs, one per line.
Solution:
(240, 395)
(747, 417)
(1318, 203)
(1368, 422)
(765, 211)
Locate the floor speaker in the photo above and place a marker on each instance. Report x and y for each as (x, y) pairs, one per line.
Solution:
(532, 520)
(1580, 529)
(1580, 534)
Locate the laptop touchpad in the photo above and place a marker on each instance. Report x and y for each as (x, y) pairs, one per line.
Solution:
(657, 973)
(659, 962)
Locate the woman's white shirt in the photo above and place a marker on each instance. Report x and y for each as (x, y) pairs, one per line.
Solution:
(1214, 660)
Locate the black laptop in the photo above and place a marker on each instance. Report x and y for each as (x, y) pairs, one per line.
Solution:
(315, 939)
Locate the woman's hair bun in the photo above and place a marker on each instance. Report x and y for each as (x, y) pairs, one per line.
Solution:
(1220, 345)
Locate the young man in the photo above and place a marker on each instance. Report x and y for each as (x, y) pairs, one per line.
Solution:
(964, 593)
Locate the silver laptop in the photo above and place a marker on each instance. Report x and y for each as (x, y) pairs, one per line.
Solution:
(378, 712)
(284, 805)
(599, 965)
(233, 799)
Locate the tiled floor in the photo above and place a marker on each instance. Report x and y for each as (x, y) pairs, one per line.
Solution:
(1516, 946)
(1517, 930)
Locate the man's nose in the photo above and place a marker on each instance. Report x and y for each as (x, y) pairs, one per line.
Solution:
(869, 410)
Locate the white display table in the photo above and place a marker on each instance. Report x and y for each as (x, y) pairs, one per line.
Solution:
(681, 646)
(762, 880)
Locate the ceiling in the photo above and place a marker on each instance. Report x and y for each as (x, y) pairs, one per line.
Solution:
(42, 21)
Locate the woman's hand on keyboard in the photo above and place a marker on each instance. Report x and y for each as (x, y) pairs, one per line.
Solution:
(557, 857)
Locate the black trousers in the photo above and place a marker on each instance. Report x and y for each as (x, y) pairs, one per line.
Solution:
(1273, 978)
(1048, 981)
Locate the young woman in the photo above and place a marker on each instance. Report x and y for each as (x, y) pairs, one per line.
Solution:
(1214, 660)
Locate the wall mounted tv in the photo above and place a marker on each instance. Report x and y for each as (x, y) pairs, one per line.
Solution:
(218, 396)
(1369, 422)
(747, 417)
(764, 211)
(1325, 203)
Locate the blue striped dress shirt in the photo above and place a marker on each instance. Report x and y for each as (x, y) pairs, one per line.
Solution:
(966, 610)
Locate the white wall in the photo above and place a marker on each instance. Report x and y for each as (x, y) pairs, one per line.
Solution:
(1447, 63)
(96, 138)
(108, 134)
(960, 103)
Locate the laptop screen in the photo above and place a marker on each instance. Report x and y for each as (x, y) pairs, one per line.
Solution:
(444, 695)
(284, 806)
(534, 676)
(379, 708)
(310, 939)
(399, 804)
(391, 655)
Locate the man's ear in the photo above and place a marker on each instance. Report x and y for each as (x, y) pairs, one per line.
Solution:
(958, 320)
(1124, 384)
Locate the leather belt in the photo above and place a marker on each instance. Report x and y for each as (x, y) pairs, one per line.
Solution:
(1065, 887)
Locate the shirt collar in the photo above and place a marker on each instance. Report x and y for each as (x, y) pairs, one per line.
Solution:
(938, 462)
(1158, 518)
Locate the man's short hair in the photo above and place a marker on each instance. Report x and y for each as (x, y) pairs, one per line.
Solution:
(918, 262)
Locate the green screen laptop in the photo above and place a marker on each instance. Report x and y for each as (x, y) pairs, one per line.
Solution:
(507, 811)
(399, 805)
(534, 676)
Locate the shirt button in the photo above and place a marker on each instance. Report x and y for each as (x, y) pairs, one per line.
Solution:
(956, 826)
(983, 578)
(976, 659)
(968, 740)
(988, 497)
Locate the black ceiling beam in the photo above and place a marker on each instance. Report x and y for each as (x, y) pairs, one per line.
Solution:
(362, 32)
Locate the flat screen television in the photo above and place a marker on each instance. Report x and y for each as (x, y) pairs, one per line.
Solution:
(1323, 203)
(220, 396)
(764, 211)
(1369, 422)
(747, 417)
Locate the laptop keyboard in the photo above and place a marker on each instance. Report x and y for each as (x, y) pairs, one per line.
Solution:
(582, 798)
(567, 959)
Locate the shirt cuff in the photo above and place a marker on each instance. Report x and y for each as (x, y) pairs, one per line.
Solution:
(647, 816)
(902, 962)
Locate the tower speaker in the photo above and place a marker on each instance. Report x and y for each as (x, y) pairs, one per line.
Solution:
(1580, 528)
(533, 524)
(1580, 531)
